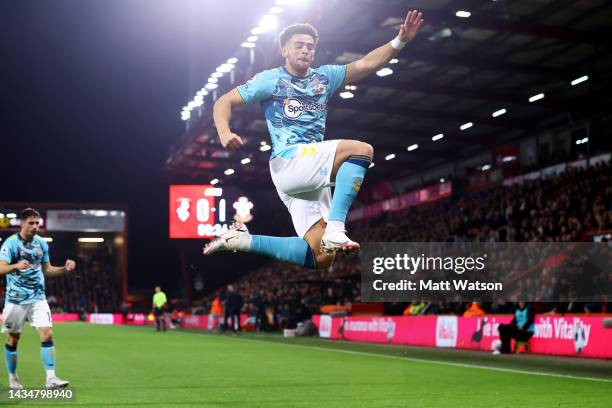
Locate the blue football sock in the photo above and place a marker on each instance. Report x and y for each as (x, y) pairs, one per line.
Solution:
(348, 182)
(290, 249)
(47, 355)
(10, 356)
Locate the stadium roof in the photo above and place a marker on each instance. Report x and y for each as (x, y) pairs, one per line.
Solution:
(459, 70)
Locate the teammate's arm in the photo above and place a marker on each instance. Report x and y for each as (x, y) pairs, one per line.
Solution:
(378, 58)
(6, 268)
(51, 270)
(222, 113)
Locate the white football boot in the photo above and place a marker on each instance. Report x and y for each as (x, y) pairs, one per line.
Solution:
(54, 382)
(334, 241)
(14, 383)
(237, 238)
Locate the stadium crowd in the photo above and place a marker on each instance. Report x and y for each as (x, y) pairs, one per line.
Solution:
(572, 206)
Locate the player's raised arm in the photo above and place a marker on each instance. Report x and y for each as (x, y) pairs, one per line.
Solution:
(378, 58)
(222, 113)
(51, 270)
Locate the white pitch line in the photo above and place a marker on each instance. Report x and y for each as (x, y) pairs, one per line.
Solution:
(462, 365)
(438, 362)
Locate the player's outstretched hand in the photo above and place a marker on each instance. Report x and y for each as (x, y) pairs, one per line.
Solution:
(231, 141)
(70, 265)
(411, 26)
(23, 264)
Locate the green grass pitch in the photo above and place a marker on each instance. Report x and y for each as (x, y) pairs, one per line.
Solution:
(123, 366)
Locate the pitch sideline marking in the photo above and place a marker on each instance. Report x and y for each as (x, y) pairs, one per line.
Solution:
(421, 360)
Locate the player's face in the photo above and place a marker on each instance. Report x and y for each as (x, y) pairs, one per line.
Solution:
(300, 52)
(30, 226)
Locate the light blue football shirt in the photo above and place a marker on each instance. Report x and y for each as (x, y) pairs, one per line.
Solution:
(295, 107)
(25, 286)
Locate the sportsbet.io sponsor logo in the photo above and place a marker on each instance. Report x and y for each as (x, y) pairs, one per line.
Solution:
(293, 108)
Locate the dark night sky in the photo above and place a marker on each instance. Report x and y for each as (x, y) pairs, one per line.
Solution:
(90, 99)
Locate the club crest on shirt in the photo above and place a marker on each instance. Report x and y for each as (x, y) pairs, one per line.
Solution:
(316, 87)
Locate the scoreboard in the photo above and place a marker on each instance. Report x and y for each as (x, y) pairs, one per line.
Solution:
(205, 211)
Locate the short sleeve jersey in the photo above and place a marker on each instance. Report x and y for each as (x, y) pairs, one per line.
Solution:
(295, 108)
(28, 285)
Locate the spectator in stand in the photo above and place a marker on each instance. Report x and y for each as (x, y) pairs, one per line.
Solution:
(233, 307)
(330, 297)
(216, 311)
(474, 310)
(125, 310)
(569, 206)
(260, 302)
(414, 308)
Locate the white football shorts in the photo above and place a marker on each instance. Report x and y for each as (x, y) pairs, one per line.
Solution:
(13, 316)
(303, 181)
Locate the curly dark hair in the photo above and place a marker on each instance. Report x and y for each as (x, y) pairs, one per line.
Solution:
(298, 28)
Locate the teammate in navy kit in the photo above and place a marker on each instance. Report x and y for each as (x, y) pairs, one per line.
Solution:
(24, 257)
(294, 99)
